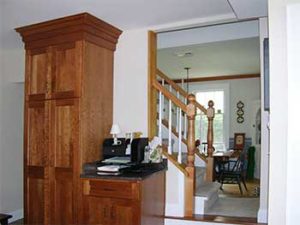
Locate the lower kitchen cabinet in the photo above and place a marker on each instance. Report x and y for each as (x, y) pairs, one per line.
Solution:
(124, 201)
(104, 211)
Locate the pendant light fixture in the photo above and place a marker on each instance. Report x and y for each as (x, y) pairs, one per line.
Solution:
(187, 78)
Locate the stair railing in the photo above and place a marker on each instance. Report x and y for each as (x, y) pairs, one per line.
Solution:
(185, 107)
(181, 120)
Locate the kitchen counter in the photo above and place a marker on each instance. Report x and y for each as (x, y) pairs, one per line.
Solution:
(133, 172)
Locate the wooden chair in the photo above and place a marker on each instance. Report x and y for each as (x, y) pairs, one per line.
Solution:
(231, 172)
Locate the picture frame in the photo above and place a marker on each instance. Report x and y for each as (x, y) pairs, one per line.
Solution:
(239, 141)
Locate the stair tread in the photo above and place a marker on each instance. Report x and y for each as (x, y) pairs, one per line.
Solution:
(207, 189)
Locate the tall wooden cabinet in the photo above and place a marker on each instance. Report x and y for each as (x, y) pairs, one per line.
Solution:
(68, 111)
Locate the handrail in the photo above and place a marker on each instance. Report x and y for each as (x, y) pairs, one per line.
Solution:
(179, 89)
(169, 95)
(172, 83)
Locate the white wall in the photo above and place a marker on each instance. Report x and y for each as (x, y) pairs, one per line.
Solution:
(11, 122)
(246, 90)
(293, 153)
(279, 113)
(284, 125)
(131, 82)
(264, 172)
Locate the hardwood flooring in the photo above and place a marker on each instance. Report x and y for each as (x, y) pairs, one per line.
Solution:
(219, 219)
(232, 190)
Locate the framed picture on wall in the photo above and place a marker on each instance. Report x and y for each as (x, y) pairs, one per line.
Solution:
(239, 141)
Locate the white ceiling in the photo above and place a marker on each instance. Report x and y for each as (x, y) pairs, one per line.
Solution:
(249, 8)
(231, 57)
(125, 14)
(128, 14)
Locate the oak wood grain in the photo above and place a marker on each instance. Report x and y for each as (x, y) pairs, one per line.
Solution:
(68, 111)
(103, 203)
(152, 94)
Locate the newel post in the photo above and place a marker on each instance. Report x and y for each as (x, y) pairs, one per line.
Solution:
(190, 180)
(210, 139)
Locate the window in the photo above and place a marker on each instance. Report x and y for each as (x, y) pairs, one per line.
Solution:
(218, 96)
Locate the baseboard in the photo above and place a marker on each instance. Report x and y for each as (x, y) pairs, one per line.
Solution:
(16, 215)
(174, 210)
(262, 215)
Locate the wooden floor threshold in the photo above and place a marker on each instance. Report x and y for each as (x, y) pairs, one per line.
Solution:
(219, 219)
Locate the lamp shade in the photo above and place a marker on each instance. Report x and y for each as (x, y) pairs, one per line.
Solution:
(115, 129)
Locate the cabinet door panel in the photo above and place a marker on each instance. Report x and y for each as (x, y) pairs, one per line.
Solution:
(37, 135)
(124, 212)
(64, 132)
(96, 210)
(38, 71)
(62, 201)
(64, 150)
(66, 71)
(35, 196)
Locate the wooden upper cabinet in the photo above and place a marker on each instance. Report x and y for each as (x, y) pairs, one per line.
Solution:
(66, 70)
(37, 72)
(55, 54)
(69, 68)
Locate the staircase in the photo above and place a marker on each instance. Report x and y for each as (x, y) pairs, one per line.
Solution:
(172, 117)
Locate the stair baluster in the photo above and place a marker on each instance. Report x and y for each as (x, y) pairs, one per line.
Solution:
(160, 115)
(170, 124)
(210, 139)
(180, 137)
(177, 113)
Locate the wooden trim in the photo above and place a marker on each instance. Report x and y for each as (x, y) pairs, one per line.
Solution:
(179, 89)
(224, 77)
(152, 106)
(209, 169)
(173, 159)
(172, 83)
(169, 95)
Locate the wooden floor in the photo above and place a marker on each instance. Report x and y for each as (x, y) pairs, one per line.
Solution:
(232, 190)
(219, 219)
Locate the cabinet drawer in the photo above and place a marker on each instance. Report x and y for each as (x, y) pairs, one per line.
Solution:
(116, 189)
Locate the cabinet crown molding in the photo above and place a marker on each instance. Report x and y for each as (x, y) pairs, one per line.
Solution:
(83, 26)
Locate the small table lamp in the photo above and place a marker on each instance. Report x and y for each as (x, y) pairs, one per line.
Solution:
(115, 129)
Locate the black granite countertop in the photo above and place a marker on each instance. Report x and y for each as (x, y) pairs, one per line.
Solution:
(133, 172)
